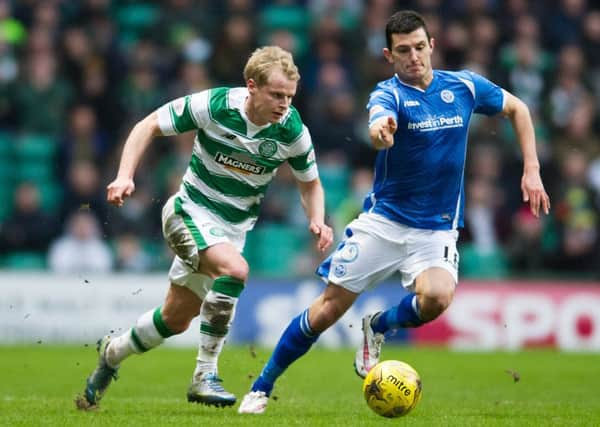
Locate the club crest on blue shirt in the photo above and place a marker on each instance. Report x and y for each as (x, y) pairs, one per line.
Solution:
(339, 270)
(447, 96)
(349, 252)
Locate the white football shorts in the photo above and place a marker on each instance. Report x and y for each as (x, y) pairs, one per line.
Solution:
(189, 228)
(375, 247)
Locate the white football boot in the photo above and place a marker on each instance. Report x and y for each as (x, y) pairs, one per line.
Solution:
(207, 390)
(254, 402)
(367, 354)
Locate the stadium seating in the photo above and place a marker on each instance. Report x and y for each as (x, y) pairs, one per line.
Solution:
(336, 182)
(475, 264)
(272, 249)
(7, 173)
(24, 261)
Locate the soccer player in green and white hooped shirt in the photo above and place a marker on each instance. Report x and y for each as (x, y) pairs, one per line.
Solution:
(243, 135)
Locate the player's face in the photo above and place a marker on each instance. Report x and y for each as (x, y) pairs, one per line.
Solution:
(269, 103)
(411, 56)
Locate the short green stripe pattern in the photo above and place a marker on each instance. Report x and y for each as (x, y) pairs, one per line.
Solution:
(219, 111)
(160, 325)
(185, 121)
(227, 212)
(223, 184)
(208, 329)
(301, 163)
(228, 285)
(136, 340)
(287, 132)
(200, 242)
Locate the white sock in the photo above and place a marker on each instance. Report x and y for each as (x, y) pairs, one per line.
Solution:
(149, 332)
(119, 349)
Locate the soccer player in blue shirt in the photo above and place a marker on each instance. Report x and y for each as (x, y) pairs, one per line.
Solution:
(418, 121)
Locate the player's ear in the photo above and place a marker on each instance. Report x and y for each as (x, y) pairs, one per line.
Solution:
(432, 43)
(251, 85)
(387, 54)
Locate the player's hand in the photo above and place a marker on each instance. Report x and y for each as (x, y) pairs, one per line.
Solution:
(534, 193)
(323, 233)
(119, 190)
(385, 130)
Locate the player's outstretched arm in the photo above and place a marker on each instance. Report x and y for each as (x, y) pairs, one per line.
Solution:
(531, 182)
(313, 201)
(382, 132)
(138, 140)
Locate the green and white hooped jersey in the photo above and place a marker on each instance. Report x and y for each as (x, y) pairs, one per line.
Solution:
(234, 160)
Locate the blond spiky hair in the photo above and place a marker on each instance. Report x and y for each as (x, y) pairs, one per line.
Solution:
(263, 60)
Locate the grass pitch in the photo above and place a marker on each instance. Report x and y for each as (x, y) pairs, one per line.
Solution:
(533, 388)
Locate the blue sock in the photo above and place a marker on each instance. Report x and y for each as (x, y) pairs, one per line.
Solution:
(404, 315)
(295, 341)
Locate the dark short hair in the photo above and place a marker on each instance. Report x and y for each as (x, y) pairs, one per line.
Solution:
(404, 22)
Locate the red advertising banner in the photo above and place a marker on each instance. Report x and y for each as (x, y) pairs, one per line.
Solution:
(512, 315)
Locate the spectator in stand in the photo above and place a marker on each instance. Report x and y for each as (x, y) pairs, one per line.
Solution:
(526, 248)
(576, 216)
(591, 38)
(139, 92)
(233, 47)
(564, 23)
(77, 53)
(487, 224)
(335, 129)
(83, 141)
(591, 49)
(130, 255)
(28, 228)
(289, 16)
(83, 191)
(570, 94)
(193, 75)
(485, 34)
(81, 248)
(524, 64)
(42, 98)
(141, 215)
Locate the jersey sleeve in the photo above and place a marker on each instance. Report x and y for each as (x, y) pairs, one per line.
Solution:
(383, 102)
(489, 97)
(304, 164)
(184, 114)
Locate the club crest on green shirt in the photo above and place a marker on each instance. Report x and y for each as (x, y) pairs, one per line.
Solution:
(267, 148)
(217, 231)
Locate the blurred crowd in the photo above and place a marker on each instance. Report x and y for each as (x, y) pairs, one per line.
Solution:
(75, 76)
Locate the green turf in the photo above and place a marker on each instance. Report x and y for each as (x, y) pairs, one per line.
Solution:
(38, 383)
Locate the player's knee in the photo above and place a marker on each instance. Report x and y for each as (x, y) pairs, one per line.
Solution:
(435, 302)
(237, 268)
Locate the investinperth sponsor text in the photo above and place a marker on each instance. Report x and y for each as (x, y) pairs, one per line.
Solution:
(436, 123)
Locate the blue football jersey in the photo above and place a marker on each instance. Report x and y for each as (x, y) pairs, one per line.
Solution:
(419, 181)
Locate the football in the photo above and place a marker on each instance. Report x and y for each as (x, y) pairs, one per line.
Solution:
(392, 388)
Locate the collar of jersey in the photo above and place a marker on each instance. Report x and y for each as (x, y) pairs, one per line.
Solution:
(415, 87)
